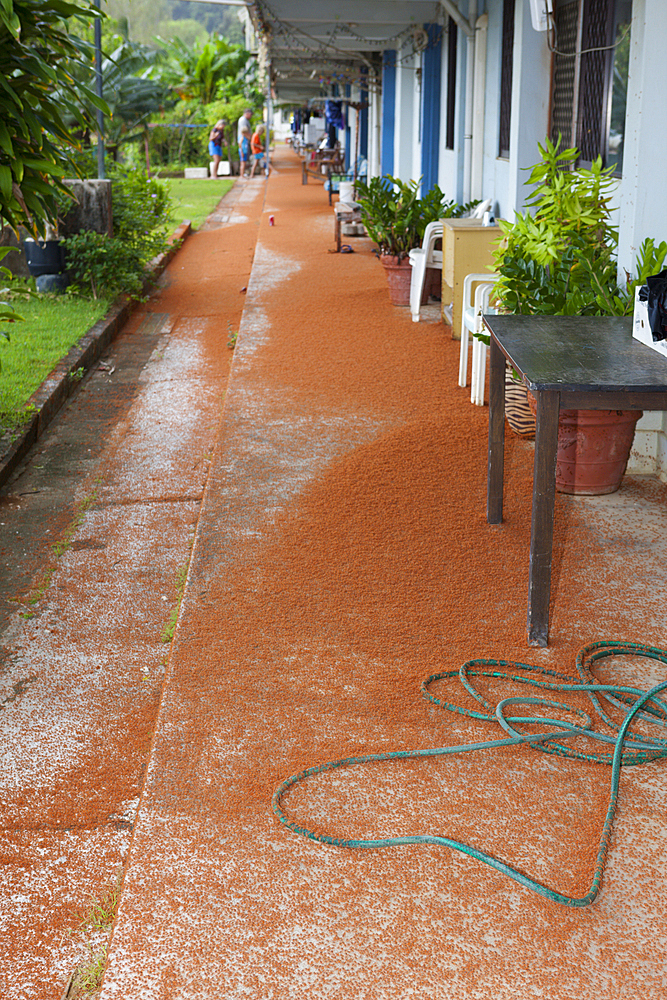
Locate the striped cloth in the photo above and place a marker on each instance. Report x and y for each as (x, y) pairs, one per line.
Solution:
(518, 412)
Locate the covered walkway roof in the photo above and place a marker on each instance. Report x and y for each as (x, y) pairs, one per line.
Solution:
(310, 42)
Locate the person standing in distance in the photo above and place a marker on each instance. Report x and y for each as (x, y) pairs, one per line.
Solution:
(257, 148)
(244, 133)
(215, 140)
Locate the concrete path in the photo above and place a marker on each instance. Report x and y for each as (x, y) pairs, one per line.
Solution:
(95, 532)
(341, 556)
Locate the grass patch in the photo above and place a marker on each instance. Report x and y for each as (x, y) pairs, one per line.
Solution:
(53, 324)
(100, 913)
(179, 583)
(195, 198)
(94, 923)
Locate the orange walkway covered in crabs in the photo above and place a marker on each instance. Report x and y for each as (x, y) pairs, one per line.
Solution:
(342, 555)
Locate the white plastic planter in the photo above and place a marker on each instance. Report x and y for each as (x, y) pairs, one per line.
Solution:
(641, 329)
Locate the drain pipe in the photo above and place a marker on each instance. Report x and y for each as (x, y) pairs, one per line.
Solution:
(470, 111)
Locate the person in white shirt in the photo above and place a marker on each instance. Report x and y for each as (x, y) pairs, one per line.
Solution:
(244, 132)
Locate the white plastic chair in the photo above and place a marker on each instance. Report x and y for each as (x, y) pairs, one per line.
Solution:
(484, 206)
(471, 322)
(421, 258)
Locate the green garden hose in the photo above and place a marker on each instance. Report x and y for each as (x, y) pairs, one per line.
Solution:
(629, 748)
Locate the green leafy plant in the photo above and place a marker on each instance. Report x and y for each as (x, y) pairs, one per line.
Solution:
(559, 258)
(7, 313)
(37, 53)
(100, 911)
(106, 266)
(395, 217)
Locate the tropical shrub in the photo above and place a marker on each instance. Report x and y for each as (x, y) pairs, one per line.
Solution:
(396, 217)
(169, 144)
(37, 54)
(560, 258)
(104, 266)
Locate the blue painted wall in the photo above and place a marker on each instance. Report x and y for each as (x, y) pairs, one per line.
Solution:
(388, 111)
(430, 124)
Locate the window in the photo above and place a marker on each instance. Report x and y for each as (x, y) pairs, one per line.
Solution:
(506, 59)
(452, 43)
(591, 43)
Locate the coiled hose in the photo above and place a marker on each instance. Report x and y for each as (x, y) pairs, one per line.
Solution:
(629, 749)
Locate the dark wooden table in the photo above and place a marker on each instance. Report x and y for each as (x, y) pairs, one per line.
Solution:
(576, 362)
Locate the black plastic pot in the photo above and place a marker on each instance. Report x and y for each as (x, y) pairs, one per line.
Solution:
(44, 257)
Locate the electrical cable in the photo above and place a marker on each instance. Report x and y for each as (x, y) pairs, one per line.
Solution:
(583, 52)
(629, 748)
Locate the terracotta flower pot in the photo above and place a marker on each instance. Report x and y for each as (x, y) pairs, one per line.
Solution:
(399, 276)
(593, 449)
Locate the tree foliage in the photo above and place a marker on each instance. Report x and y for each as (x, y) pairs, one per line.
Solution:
(37, 54)
(166, 18)
(128, 90)
(196, 72)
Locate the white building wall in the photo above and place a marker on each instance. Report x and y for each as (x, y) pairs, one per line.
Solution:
(502, 179)
(531, 89)
(374, 126)
(643, 211)
(495, 171)
(643, 199)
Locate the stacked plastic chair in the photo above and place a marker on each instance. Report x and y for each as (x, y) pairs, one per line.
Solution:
(421, 258)
(474, 308)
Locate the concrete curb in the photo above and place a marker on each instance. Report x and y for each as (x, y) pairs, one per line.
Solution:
(59, 385)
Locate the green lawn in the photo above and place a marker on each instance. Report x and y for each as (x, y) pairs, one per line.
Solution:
(195, 199)
(52, 325)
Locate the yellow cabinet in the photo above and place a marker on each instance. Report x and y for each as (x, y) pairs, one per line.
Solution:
(467, 248)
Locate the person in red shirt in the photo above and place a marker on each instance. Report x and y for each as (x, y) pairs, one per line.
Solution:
(257, 149)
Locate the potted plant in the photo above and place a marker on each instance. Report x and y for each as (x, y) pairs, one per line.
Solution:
(395, 217)
(46, 256)
(560, 259)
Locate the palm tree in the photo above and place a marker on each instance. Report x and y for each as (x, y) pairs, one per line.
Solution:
(195, 73)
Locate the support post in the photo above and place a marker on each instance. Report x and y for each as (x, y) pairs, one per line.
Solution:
(542, 525)
(496, 459)
(101, 174)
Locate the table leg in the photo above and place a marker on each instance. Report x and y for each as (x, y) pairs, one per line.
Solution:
(542, 528)
(496, 456)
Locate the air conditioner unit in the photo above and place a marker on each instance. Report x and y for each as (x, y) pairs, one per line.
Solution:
(539, 13)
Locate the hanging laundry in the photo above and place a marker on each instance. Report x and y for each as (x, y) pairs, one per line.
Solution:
(333, 111)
